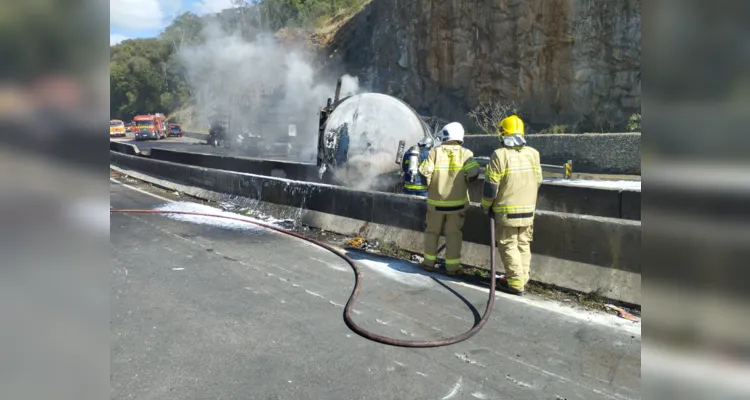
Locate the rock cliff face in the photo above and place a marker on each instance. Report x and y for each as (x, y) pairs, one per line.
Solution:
(561, 61)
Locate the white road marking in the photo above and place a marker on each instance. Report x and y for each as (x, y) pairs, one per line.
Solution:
(464, 358)
(140, 190)
(608, 320)
(329, 265)
(455, 390)
(517, 382)
(314, 294)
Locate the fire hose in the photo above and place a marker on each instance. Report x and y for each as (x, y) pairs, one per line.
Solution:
(358, 280)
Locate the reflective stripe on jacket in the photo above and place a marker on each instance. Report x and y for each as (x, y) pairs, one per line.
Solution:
(447, 170)
(511, 184)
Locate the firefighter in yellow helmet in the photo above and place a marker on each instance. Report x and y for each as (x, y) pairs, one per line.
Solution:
(447, 169)
(511, 183)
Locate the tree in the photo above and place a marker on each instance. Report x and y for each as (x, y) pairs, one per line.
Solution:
(146, 75)
(488, 115)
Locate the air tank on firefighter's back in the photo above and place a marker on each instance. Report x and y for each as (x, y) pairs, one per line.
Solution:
(361, 138)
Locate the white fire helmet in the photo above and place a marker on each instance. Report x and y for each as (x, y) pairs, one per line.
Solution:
(452, 131)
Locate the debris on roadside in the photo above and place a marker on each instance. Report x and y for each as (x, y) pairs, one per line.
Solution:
(288, 224)
(357, 242)
(371, 246)
(623, 313)
(226, 206)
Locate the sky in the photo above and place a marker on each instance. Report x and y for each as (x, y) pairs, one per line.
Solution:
(130, 19)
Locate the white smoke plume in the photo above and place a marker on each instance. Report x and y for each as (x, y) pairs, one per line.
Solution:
(268, 86)
(265, 85)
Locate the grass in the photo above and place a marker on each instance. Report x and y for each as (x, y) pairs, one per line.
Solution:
(326, 26)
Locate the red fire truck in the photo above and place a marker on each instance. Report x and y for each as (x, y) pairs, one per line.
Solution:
(151, 126)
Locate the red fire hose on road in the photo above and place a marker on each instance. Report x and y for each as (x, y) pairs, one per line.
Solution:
(358, 280)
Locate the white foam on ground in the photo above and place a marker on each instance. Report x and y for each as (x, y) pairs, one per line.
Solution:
(590, 316)
(184, 206)
(399, 271)
(622, 184)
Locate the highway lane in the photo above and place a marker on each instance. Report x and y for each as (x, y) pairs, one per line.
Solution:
(203, 310)
(176, 143)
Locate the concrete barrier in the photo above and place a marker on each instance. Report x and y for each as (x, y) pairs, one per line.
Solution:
(196, 135)
(125, 148)
(552, 197)
(631, 205)
(281, 169)
(594, 153)
(584, 253)
(598, 202)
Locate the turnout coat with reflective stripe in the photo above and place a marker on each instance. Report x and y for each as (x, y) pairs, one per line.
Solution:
(511, 183)
(447, 170)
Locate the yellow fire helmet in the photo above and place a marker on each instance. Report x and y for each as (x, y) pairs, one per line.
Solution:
(511, 126)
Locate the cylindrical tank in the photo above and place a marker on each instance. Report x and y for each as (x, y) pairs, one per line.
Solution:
(375, 124)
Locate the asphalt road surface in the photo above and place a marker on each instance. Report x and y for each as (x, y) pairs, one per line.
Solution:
(176, 143)
(205, 310)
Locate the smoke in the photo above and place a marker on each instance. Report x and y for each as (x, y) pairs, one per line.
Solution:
(266, 87)
(263, 85)
(349, 86)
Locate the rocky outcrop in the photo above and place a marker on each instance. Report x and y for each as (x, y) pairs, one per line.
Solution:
(561, 61)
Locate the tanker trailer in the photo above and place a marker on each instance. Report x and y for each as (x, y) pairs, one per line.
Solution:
(361, 137)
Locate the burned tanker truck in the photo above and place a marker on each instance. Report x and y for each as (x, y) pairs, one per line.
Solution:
(257, 125)
(361, 139)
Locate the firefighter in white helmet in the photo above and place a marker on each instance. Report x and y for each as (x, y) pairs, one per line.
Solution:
(447, 171)
(511, 183)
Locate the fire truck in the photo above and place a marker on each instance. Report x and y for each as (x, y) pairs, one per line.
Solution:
(151, 126)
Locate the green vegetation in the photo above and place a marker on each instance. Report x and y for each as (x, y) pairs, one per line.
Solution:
(146, 77)
(634, 123)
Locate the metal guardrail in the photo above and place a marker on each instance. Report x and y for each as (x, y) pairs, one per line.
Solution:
(566, 169)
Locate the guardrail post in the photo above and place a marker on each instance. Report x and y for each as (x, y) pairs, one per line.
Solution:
(569, 169)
